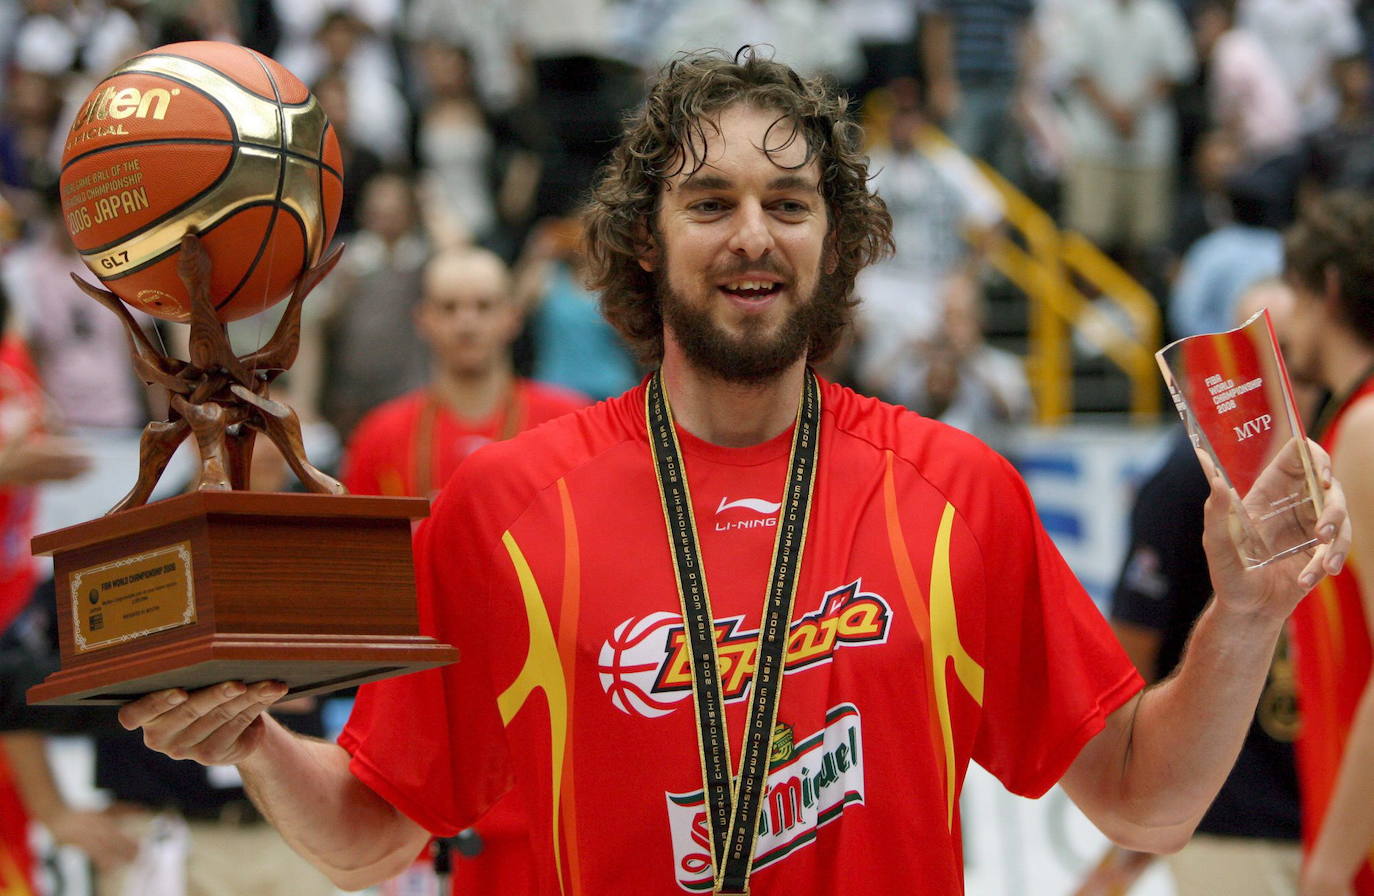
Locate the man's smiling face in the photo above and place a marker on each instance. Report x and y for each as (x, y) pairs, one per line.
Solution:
(740, 244)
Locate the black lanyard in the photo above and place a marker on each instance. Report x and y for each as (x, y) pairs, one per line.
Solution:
(732, 814)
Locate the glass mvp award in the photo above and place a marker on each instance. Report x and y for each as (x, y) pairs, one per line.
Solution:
(1233, 393)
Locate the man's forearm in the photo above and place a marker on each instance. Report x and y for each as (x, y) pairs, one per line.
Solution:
(326, 814)
(1149, 776)
(1189, 729)
(1346, 835)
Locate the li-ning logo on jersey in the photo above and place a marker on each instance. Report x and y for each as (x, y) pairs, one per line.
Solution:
(809, 785)
(645, 667)
(767, 514)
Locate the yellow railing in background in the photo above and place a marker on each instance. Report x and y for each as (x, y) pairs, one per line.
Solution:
(1048, 269)
(1048, 265)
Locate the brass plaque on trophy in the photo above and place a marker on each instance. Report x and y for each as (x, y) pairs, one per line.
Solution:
(1233, 392)
(132, 597)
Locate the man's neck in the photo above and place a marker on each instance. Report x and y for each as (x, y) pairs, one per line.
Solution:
(1345, 361)
(731, 414)
(474, 395)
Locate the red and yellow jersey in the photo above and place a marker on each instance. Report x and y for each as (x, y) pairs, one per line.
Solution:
(1331, 641)
(935, 625)
(410, 445)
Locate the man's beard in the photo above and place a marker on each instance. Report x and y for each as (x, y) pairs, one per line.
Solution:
(752, 356)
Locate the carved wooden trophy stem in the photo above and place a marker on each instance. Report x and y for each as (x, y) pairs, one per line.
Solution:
(216, 396)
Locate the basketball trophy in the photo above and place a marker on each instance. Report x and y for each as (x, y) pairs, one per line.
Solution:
(1233, 392)
(201, 183)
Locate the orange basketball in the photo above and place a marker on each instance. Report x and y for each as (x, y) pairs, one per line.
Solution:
(210, 138)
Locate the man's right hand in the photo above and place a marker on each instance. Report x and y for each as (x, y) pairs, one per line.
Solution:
(39, 457)
(218, 725)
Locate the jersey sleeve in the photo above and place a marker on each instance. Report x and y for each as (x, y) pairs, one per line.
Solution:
(1054, 669)
(432, 743)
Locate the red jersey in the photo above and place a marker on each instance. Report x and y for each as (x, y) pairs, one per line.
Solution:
(21, 407)
(1331, 640)
(935, 625)
(410, 445)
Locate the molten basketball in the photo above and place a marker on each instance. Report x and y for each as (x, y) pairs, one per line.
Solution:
(209, 138)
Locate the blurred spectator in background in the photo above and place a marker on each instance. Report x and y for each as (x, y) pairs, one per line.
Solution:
(346, 42)
(1221, 266)
(956, 377)
(223, 20)
(1248, 99)
(578, 89)
(974, 52)
(30, 454)
(32, 124)
(360, 164)
(488, 31)
(1340, 156)
(81, 349)
(301, 42)
(362, 349)
(1124, 58)
(468, 316)
(478, 176)
(885, 31)
(115, 31)
(572, 344)
(944, 213)
(1303, 38)
(1041, 125)
(1203, 205)
(11, 12)
(807, 33)
(45, 35)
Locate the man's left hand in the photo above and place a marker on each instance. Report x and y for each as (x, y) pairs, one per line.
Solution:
(1275, 589)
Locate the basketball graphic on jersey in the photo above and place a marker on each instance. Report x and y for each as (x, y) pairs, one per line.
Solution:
(630, 661)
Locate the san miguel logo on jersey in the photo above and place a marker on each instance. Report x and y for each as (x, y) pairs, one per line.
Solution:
(810, 782)
(645, 666)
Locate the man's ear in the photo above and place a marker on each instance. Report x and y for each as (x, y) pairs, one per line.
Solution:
(831, 259)
(649, 255)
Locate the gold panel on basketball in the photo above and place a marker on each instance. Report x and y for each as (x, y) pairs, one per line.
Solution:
(210, 138)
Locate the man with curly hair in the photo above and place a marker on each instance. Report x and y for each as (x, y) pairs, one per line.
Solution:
(742, 630)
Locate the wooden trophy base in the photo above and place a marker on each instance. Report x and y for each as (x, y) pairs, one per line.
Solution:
(316, 591)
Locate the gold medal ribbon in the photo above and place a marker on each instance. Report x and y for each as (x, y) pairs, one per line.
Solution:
(733, 804)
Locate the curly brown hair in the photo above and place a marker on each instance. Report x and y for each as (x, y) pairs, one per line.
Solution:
(1336, 233)
(667, 136)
